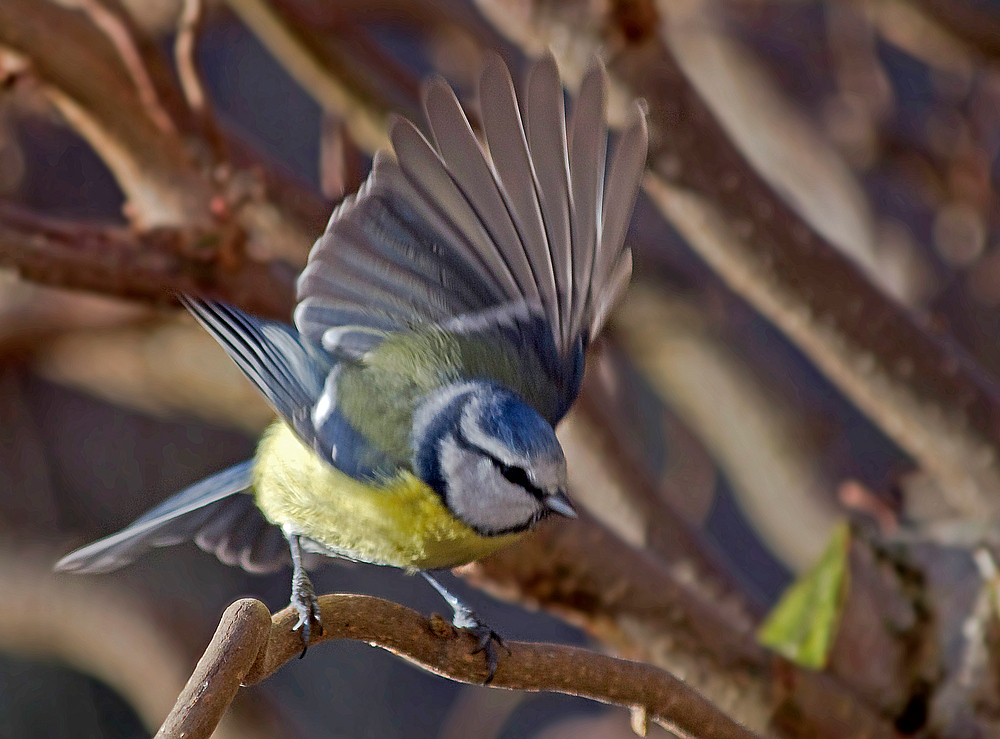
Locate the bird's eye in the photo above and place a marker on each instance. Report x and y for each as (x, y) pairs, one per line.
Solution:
(518, 476)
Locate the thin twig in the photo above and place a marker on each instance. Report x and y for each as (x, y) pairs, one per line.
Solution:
(184, 47)
(118, 34)
(249, 646)
(366, 125)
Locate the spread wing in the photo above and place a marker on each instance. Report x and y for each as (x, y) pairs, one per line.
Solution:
(461, 235)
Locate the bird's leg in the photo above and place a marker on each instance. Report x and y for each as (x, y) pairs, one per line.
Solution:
(304, 598)
(465, 618)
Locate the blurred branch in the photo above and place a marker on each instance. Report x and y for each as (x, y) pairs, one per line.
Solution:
(184, 47)
(249, 646)
(167, 178)
(780, 142)
(109, 637)
(612, 482)
(85, 78)
(121, 38)
(927, 396)
(970, 21)
(764, 456)
(364, 118)
(153, 266)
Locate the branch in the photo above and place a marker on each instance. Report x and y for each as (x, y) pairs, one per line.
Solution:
(169, 179)
(365, 121)
(153, 266)
(972, 22)
(84, 76)
(766, 456)
(249, 646)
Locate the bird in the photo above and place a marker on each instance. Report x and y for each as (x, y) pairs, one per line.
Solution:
(440, 335)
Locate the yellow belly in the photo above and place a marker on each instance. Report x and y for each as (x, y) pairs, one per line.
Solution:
(402, 522)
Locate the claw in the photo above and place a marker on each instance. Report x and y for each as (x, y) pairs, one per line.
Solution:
(466, 619)
(305, 602)
(485, 637)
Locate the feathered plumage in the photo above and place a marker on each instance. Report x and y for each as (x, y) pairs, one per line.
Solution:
(451, 231)
(456, 266)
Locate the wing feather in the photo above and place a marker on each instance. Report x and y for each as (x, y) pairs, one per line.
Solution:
(343, 327)
(624, 178)
(430, 177)
(271, 355)
(178, 518)
(587, 159)
(457, 232)
(463, 156)
(508, 147)
(546, 126)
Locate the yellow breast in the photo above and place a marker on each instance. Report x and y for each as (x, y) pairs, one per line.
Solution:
(402, 522)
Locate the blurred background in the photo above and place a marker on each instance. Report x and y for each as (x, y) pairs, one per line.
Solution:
(154, 145)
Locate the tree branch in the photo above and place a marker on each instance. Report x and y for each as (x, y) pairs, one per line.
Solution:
(87, 81)
(249, 646)
(152, 266)
(972, 22)
(365, 121)
(660, 614)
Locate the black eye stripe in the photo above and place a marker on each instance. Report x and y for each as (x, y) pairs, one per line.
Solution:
(517, 476)
(513, 474)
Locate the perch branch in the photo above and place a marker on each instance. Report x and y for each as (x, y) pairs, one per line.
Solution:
(249, 646)
(631, 600)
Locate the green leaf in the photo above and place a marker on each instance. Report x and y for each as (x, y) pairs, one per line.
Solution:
(804, 622)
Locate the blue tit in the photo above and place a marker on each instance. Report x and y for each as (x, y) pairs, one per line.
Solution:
(440, 335)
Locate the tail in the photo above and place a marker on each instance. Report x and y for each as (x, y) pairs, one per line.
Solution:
(216, 513)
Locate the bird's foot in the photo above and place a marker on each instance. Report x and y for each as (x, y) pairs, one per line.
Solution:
(466, 619)
(306, 604)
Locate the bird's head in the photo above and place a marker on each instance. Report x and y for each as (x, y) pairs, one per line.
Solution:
(494, 461)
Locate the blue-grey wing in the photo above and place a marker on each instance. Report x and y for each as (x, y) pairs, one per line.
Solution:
(215, 512)
(299, 380)
(453, 232)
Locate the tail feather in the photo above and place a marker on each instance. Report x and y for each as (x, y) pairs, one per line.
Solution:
(214, 512)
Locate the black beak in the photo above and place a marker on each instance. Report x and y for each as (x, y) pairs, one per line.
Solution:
(559, 503)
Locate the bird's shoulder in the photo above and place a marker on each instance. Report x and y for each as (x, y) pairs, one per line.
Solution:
(516, 354)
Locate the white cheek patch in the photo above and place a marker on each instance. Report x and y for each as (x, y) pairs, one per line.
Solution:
(479, 495)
